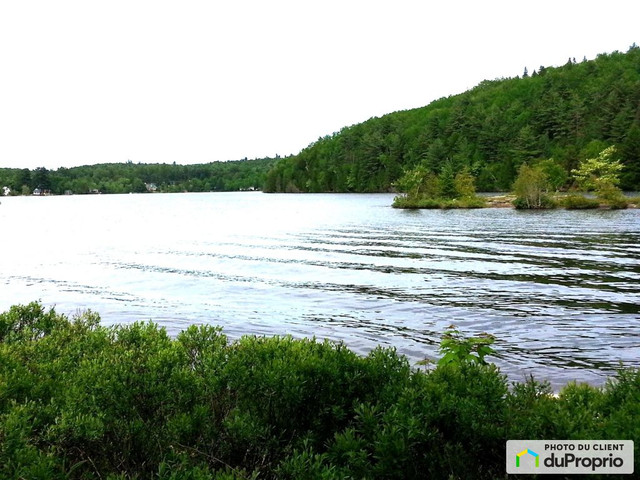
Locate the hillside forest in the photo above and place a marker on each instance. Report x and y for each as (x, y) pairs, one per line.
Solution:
(557, 115)
(566, 114)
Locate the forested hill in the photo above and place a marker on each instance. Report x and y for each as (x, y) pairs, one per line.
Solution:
(567, 113)
(139, 177)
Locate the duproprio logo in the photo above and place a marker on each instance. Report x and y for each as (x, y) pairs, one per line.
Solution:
(530, 452)
(569, 456)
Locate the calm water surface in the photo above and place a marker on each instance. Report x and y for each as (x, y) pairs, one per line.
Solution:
(560, 290)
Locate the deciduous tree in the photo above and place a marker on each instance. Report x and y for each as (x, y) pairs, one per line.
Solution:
(531, 188)
(601, 171)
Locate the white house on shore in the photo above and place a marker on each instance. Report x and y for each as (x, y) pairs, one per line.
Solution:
(6, 191)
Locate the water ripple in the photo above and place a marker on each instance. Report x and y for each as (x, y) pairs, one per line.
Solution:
(560, 290)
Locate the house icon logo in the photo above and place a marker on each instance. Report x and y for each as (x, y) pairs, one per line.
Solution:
(530, 452)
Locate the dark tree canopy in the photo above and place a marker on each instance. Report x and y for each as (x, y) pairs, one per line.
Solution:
(564, 113)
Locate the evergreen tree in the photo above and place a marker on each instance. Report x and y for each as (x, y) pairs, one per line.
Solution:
(447, 181)
(630, 155)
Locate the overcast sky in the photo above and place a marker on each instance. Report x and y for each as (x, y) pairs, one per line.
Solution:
(190, 81)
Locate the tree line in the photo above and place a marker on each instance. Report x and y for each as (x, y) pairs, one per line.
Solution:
(138, 177)
(567, 113)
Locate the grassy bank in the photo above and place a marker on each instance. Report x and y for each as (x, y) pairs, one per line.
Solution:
(572, 201)
(79, 400)
(406, 202)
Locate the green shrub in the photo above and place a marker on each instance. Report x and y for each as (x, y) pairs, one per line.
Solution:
(531, 188)
(541, 202)
(612, 196)
(27, 322)
(404, 201)
(620, 403)
(458, 349)
(529, 412)
(578, 202)
(78, 400)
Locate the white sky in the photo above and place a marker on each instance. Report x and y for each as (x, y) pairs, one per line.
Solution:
(191, 81)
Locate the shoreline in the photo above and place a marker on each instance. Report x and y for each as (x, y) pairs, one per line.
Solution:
(507, 201)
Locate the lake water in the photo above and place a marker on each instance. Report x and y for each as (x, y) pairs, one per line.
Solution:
(559, 289)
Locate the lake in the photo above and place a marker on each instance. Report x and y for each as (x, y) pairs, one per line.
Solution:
(559, 289)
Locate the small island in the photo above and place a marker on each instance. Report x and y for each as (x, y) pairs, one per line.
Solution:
(537, 186)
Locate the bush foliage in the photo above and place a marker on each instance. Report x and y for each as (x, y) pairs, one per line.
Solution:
(578, 202)
(79, 400)
(424, 189)
(532, 188)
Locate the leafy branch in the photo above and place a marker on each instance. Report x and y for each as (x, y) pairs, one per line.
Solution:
(458, 349)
